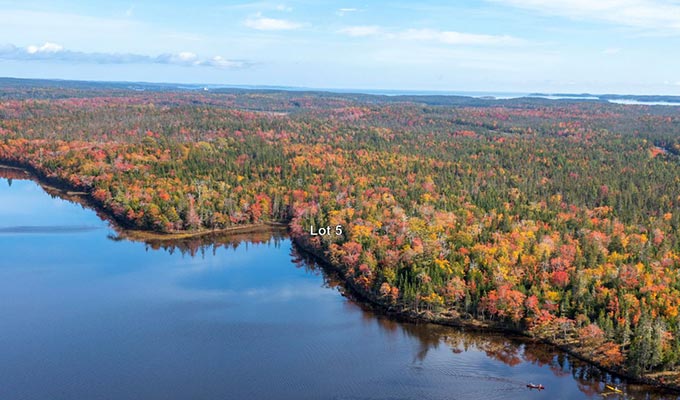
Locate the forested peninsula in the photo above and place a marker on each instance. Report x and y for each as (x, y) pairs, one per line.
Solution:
(558, 219)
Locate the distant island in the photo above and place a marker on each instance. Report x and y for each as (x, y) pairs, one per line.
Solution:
(609, 97)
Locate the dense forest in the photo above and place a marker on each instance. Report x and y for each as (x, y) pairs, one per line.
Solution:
(557, 218)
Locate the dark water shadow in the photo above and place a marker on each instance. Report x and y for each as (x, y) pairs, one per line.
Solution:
(11, 173)
(200, 246)
(47, 229)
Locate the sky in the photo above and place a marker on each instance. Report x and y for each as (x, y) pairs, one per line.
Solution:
(572, 46)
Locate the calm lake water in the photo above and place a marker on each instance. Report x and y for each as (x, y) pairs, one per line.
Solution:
(85, 315)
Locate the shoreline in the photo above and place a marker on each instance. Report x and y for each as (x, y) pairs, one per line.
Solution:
(80, 195)
(57, 187)
(401, 314)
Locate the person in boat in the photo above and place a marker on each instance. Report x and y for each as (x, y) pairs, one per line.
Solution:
(535, 386)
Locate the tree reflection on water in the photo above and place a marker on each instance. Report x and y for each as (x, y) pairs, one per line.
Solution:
(511, 350)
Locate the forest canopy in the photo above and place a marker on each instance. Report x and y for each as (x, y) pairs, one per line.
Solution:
(559, 218)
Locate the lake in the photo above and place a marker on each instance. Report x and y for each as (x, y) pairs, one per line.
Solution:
(88, 315)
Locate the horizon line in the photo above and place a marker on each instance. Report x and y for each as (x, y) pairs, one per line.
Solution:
(354, 90)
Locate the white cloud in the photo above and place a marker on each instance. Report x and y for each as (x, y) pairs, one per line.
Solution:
(611, 51)
(270, 24)
(283, 7)
(654, 15)
(458, 38)
(432, 35)
(116, 34)
(187, 56)
(55, 52)
(220, 62)
(342, 11)
(45, 48)
(360, 31)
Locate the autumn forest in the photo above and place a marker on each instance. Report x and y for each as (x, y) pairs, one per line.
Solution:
(556, 218)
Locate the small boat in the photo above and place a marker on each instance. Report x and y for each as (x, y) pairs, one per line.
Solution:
(535, 386)
(614, 389)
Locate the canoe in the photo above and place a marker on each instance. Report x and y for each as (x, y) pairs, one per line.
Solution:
(614, 388)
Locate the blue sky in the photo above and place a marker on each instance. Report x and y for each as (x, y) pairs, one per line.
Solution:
(598, 46)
